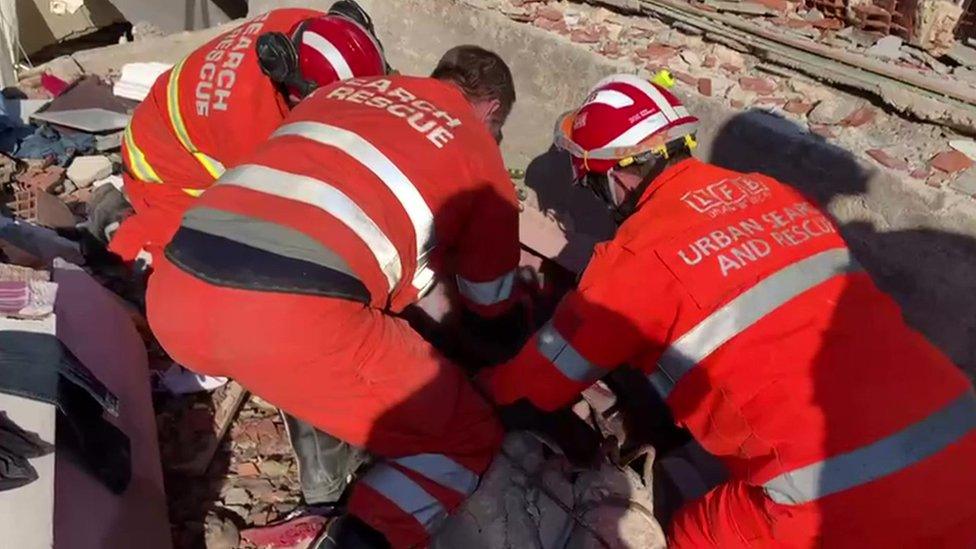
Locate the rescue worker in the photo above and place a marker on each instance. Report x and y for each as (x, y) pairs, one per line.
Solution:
(840, 425)
(215, 106)
(304, 253)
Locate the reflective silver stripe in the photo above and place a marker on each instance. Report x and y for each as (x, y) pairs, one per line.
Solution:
(564, 357)
(488, 293)
(442, 470)
(406, 494)
(745, 310)
(382, 167)
(327, 198)
(264, 235)
(330, 52)
(884, 457)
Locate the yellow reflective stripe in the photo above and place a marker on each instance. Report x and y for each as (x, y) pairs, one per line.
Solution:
(212, 165)
(141, 168)
(137, 159)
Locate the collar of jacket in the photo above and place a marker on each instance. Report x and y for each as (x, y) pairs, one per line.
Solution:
(667, 175)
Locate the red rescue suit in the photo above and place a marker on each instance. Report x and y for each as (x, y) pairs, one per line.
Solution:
(840, 425)
(204, 115)
(284, 276)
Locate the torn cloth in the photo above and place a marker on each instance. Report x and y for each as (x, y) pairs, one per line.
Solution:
(47, 141)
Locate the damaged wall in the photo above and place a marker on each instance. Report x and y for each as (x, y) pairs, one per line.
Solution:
(919, 242)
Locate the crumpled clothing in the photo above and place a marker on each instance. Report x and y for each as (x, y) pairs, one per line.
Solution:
(16, 447)
(47, 141)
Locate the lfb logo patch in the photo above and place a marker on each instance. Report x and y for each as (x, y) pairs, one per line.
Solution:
(727, 196)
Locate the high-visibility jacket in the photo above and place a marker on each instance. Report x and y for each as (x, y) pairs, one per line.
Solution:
(744, 307)
(205, 114)
(368, 188)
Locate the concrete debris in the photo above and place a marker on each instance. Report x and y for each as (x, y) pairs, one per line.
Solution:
(951, 162)
(85, 170)
(935, 23)
(832, 111)
(749, 8)
(137, 78)
(888, 47)
(962, 54)
(965, 146)
(88, 120)
(220, 533)
(965, 183)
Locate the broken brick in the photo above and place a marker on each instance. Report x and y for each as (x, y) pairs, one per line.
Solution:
(781, 6)
(44, 179)
(829, 24)
(685, 77)
(705, 86)
(921, 173)
(860, 117)
(797, 106)
(550, 13)
(585, 36)
(657, 52)
(823, 131)
(730, 68)
(761, 86)
(936, 180)
(610, 48)
(549, 25)
(710, 62)
(886, 160)
(248, 470)
(738, 104)
(950, 162)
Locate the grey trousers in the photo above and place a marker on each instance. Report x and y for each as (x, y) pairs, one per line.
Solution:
(325, 463)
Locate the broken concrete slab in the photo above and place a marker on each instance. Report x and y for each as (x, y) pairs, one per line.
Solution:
(965, 146)
(87, 120)
(962, 54)
(85, 170)
(888, 47)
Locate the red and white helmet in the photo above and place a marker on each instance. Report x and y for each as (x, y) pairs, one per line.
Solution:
(624, 119)
(333, 48)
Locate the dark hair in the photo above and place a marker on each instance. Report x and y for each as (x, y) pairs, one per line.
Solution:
(481, 74)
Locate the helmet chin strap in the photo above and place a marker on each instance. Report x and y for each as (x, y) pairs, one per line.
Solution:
(623, 203)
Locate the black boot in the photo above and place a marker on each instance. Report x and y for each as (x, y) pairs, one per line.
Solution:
(348, 532)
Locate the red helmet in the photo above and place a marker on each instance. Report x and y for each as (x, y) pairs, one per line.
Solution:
(333, 48)
(624, 119)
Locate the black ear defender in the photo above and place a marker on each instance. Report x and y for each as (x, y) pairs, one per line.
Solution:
(278, 59)
(352, 10)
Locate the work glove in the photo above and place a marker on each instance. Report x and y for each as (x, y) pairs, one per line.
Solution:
(107, 210)
(349, 532)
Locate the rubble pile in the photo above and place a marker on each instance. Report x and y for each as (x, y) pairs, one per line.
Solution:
(703, 65)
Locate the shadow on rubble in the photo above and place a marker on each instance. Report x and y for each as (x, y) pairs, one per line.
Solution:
(929, 272)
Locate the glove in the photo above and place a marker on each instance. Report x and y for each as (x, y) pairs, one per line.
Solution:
(106, 211)
(348, 532)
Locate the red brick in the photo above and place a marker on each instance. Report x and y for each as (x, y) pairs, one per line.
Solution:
(657, 52)
(921, 173)
(863, 115)
(796, 23)
(550, 13)
(549, 25)
(950, 162)
(685, 77)
(738, 104)
(585, 36)
(44, 179)
(248, 469)
(829, 24)
(936, 180)
(730, 68)
(705, 86)
(776, 5)
(761, 86)
(823, 131)
(611, 48)
(710, 62)
(797, 106)
(886, 160)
